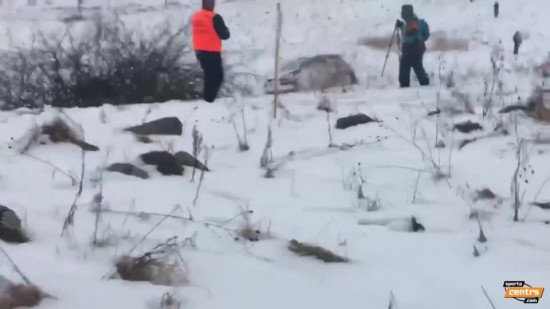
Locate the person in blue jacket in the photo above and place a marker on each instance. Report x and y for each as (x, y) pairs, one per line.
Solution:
(414, 33)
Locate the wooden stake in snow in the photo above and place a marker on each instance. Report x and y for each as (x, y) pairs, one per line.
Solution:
(277, 48)
(79, 6)
(496, 8)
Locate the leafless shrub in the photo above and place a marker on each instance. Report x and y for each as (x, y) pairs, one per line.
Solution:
(162, 265)
(497, 63)
(267, 154)
(98, 202)
(21, 84)
(199, 185)
(242, 141)
(110, 63)
(69, 219)
(251, 231)
(356, 182)
(197, 146)
(427, 154)
(326, 105)
(522, 172)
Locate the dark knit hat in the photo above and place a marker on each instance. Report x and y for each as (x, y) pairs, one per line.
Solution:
(208, 4)
(407, 12)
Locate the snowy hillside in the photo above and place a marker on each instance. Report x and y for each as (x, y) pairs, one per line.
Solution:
(355, 198)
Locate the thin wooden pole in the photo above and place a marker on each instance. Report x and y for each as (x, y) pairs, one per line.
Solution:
(277, 52)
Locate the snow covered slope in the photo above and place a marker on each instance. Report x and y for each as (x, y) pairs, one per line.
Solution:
(314, 195)
(312, 198)
(323, 26)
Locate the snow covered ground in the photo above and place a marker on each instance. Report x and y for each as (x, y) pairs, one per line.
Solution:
(313, 197)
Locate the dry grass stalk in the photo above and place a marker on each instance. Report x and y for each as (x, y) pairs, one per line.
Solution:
(317, 252)
(154, 266)
(69, 220)
(201, 178)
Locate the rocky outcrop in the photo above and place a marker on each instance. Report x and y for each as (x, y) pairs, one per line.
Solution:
(166, 163)
(162, 126)
(11, 230)
(128, 169)
(353, 120)
(187, 159)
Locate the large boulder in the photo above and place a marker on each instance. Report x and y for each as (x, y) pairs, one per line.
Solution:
(353, 120)
(187, 159)
(11, 230)
(314, 73)
(128, 169)
(166, 163)
(162, 126)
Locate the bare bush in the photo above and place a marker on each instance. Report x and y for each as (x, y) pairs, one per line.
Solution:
(109, 63)
(162, 265)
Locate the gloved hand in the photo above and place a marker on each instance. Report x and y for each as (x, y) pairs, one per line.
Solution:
(399, 24)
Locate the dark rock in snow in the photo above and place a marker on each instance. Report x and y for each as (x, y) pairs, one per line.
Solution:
(166, 163)
(11, 230)
(353, 120)
(171, 167)
(467, 126)
(485, 194)
(187, 159)
(545, 205)
(162, 126)
(128, 169)
(156, 157)
(415, 226)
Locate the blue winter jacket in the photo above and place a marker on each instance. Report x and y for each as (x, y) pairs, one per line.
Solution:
(414, 34)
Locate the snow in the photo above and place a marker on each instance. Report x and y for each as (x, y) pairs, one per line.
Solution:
(309, 198)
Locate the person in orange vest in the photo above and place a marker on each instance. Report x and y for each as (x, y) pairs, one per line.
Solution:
(209, 30)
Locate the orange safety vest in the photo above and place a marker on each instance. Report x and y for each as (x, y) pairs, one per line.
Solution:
(205, 37)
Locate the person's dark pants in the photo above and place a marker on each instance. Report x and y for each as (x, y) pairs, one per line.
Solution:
(414, 61)
(211, 64)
